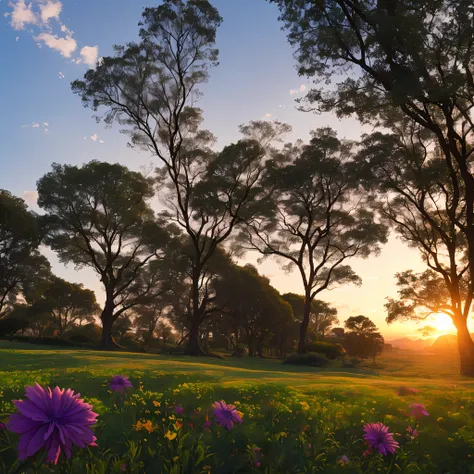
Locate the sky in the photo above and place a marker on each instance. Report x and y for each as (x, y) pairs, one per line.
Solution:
(46, 44)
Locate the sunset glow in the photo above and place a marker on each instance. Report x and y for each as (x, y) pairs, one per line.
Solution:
(443, 324)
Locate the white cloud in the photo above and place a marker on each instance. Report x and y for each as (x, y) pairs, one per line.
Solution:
(30, 197)
(17, 38)
(61, 75)
(22, 14)
(267, 115)
(66, 46)
(41, 13)
(35, 125)
(46, 124)
(50, 9)
(85, 138)
(298, 91)
(101, 141)
(89, 55)
(94, 137)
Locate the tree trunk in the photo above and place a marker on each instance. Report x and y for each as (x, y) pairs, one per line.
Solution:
(466, 349)
(107, 342)
(304, 325)
(193, 348)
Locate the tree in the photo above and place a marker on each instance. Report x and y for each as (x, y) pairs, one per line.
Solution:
(253, 304)
(361, 338)
(317, 219)
(322, 315)
(148, 317)
(122, 326)
(418, 200)
(150, 88)
(20, 262)
(97, 216)
(412, 60)
(69, 304)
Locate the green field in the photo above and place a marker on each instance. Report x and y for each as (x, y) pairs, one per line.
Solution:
(301, 419)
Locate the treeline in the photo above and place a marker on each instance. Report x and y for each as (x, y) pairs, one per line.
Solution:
(312, 206)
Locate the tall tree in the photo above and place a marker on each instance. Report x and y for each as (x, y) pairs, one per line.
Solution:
(147, 318)
(20, 262)
(97, 216)
(317, 219)
(322, 315)
(419, 201)
(410, 58)
(150, 88)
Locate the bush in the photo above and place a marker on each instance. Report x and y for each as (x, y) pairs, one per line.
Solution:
(310, 359)
(352, 363)
(48, 341)
(10, 325)
(330, 350)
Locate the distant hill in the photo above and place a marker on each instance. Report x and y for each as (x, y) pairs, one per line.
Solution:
(412, 344)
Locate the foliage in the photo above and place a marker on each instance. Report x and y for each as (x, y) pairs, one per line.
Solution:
(328, 349)
(317, 219)
(98, 217)
(361, 338)
(20, 262)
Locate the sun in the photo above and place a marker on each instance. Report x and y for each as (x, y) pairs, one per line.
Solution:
(443, 323)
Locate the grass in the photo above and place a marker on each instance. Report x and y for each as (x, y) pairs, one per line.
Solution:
(303, 419)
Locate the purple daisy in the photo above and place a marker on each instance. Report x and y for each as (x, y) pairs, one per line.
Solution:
(418, 410)
(226, 415)
(379, 438)
(120, 383)
(54, 420)
(179, 410)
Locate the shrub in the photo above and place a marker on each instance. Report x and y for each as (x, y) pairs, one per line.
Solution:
(310, 359)
(10, 325)
(352, 363)
(330, 350)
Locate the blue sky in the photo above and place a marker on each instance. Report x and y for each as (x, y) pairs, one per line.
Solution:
(46, 44)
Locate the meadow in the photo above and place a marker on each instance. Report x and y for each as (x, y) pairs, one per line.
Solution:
(294, 419)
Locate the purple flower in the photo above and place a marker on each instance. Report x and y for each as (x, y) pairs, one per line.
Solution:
(418, 410)
(412, 432)
(379, 438)
(2, 426)
(226, 415)
(54, 420)
(120, 383)
(343, 460)
(179, 410)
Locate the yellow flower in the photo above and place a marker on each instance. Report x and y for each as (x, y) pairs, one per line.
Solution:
(147, 425)
(304, 406)
(170, 436)
(156, 404)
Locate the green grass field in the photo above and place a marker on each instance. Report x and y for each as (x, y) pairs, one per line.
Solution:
(294, 419)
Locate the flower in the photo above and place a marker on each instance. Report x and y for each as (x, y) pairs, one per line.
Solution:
(226, 415)
(412, 432)
(120, 383)
(140, 425)
(418, 410)
(2, 426)
(52, 419)
(207, 424)
(343, 460)
(179, 410)
(379, 438)
(123, 467)
(171, 436)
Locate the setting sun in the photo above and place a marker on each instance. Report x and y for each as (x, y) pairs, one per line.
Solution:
(443, 323)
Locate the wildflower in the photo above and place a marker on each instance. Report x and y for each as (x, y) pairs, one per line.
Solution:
(207, 424)
(2, 426)
(304, 406)
(123, 467)
(379, 438)
(156, 404)
(52, 419)
(170, 436)
(418, 410)
(412, 432)
(343, 460)
(179, 410)
(120, 383)
(226, 415)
